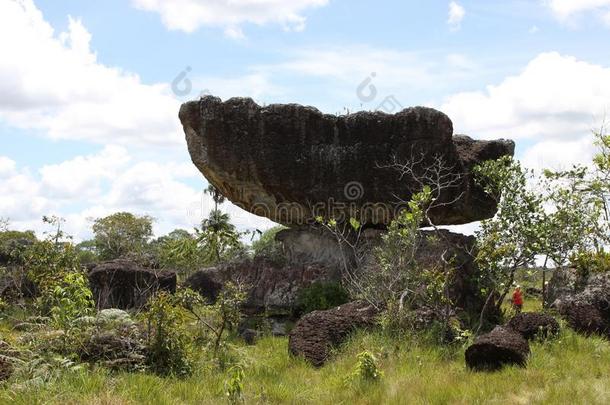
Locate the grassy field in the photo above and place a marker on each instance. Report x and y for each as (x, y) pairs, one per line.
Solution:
(570, 369)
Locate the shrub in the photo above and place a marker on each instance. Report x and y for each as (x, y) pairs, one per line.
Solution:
(215, 320)
(234, 385)
(69, 299)
(168, 339)
(266, 246)
(366, 369)
(321, 296)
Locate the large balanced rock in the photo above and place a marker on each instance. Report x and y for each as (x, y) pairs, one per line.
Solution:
(534, 324)
(318, 332)
(271, 288)
(291, 163)
(124, 284)
(502, 346)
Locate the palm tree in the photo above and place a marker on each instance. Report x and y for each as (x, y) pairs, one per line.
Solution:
(216, 195)
(218, 233)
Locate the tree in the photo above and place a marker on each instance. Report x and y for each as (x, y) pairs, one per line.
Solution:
(180, 250)
(218, 236)
(121, 234)
(514, 237)
(57, 234)
(216, 195)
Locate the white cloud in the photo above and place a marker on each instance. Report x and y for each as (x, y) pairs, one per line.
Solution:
(559, 154)
(456, 15)
(105, 182)
(554, 97)
(81, 177)
(565, 10)
(189, 15)
(54, 83)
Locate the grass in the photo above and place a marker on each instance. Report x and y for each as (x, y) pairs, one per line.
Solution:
(570, 369)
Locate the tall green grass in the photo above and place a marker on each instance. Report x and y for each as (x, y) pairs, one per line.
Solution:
(570, 369)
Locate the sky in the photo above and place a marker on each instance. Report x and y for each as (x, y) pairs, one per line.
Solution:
(90, 91)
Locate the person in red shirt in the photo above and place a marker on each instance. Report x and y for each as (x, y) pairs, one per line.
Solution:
(517, 299)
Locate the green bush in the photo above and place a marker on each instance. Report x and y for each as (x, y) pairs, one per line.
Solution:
(366, 369)
(169, 344)
(321, 296)
(68, 300)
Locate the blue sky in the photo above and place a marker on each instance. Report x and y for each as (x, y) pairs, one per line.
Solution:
(88, 114)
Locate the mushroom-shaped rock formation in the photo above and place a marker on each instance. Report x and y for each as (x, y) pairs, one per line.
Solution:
(292, 163)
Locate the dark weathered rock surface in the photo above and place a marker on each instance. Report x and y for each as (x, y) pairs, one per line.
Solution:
(588, 310)
(272, 288)
(124, 284)
(318, 332)
(534, 324)
(500, 347)
(291, 163)
(562, 283)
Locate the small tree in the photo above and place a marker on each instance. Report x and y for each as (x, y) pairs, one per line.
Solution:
(120, 234)
(514, 237)
(215, 320)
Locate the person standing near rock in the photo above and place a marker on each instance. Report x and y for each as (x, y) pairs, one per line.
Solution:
(517, 300)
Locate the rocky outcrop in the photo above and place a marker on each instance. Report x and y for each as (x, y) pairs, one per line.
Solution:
(562, 283)
(588, 310)
(272, 288)
(291, 163)
(318, 332)
(492, 351)
(314, 247)
(532, 325)
(124, 284)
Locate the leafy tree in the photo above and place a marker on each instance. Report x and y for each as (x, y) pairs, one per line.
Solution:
(180, 251)
(122, 234)
(514, 237)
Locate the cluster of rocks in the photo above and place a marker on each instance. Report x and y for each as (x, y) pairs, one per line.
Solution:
(508, 344)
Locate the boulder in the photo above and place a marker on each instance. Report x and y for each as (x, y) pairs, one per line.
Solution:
(272, 288)
(124, 284)
(531, 325)
(588, 311)
(494, 350)
(317, 333)
(562, 283)
(291, 163)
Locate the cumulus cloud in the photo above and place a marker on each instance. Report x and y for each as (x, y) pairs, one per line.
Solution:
(456, 15)
(54, 83)
(564, 10)
(554, 97)
(111, 180)
(552, 106)
(189, 15)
